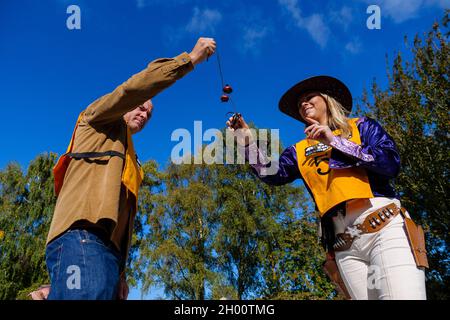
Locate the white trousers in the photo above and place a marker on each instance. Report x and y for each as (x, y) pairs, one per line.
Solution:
(380, 265)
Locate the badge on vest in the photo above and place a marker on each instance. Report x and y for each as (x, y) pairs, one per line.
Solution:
(320, 147)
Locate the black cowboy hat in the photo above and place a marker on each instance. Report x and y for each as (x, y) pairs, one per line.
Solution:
(325, 84)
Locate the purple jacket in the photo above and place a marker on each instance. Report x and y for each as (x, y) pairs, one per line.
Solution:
(377, 154)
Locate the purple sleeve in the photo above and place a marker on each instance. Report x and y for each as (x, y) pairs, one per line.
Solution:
(351, 149)
(284, 171)
(377, 153)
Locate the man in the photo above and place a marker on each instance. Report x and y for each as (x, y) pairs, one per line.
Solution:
(97, 183)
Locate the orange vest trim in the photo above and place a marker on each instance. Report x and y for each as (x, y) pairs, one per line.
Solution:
(330, 187)
(132, 174)
(59, 170)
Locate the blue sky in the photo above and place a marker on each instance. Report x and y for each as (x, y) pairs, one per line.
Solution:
(50, 73)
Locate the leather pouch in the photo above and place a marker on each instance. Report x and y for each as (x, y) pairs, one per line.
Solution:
(416, 239)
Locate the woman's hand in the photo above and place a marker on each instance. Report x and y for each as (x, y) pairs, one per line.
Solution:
(241, 130)
(319, 132)
(239, 123)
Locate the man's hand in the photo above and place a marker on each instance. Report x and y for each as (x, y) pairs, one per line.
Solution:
(41, 293)
(204, 48)
(319, 132)
(123, 290)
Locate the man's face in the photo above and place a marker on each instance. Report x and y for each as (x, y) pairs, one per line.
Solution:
(136, 119)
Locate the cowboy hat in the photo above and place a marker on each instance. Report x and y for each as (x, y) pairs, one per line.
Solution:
(324, 84)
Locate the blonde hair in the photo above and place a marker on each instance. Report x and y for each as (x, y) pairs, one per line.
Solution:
(337, 116)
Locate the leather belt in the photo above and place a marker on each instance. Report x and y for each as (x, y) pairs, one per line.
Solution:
(374, 222)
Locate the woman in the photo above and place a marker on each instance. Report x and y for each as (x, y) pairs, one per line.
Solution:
(346, 164)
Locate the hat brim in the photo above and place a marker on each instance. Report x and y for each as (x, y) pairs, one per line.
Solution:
(324, 84)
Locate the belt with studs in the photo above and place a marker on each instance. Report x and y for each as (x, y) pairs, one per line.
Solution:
(374, 222)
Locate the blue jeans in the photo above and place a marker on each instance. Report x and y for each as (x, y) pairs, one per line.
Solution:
(82, 267)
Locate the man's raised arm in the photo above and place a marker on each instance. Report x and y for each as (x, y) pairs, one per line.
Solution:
(159, 75)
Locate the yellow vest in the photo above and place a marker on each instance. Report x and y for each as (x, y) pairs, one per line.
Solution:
(132, 174)
(330, 187)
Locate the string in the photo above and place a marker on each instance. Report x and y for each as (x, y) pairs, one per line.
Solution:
(221, 78)
(220, 68)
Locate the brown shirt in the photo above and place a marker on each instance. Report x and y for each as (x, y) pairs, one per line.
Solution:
(92, 188)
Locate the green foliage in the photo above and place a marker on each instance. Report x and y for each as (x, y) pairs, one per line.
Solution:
(26, 207)
(414, 110)
(180, 214)
(150, 185)
(217, 231)
(293, 267)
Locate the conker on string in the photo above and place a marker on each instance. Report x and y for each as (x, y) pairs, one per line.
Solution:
(227, 89)
(224, 98)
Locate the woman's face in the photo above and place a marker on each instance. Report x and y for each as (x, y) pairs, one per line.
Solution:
(313, 105)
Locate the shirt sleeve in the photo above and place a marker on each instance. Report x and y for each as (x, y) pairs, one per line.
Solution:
(377, 152)
(351, 149)
(281, 172)
(159, 75)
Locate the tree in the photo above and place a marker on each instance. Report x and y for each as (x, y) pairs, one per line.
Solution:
(176, 249)
(267, 239)
(267, 244)
(217, 231)
(293, 268)
(248, 220)
(150, 184)
(26, 207)
(414, 110)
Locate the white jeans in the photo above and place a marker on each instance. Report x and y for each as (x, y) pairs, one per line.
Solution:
(380, 265)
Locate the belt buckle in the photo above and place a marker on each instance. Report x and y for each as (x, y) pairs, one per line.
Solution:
(345, 240)
(354, 231)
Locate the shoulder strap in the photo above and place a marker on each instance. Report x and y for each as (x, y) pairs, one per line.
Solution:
(85, 155)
